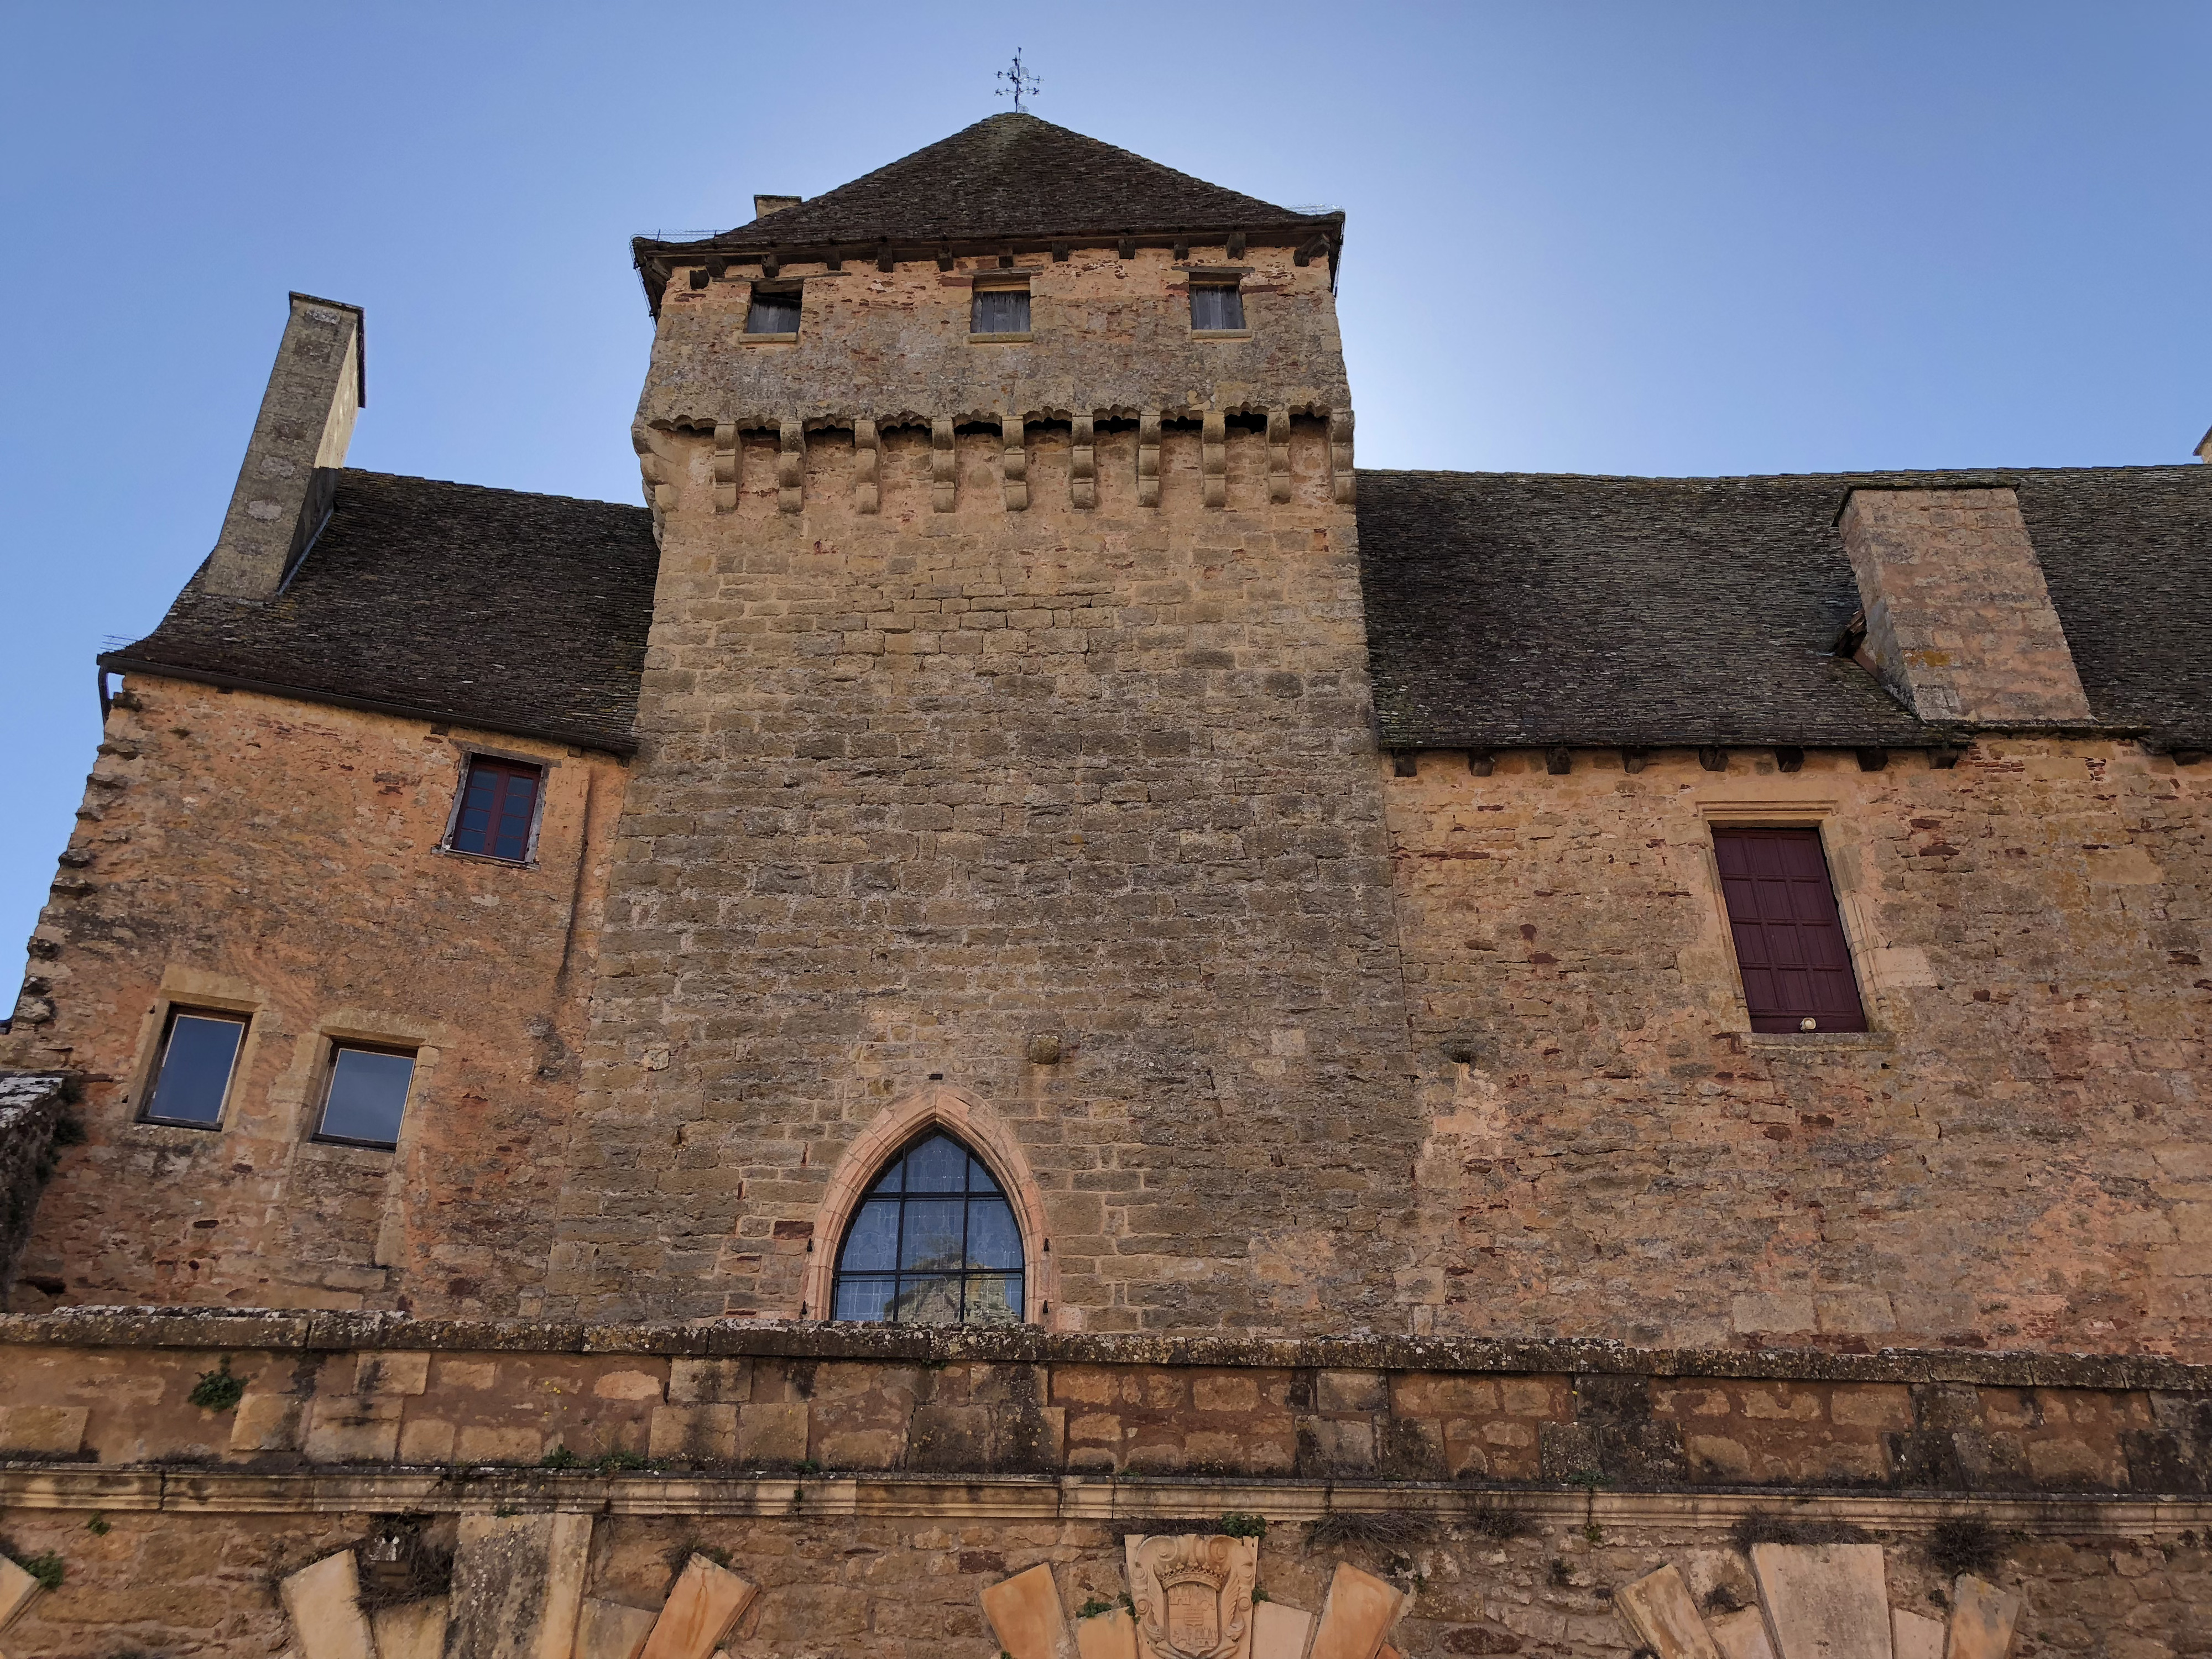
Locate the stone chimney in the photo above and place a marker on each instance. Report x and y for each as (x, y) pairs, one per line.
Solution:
(764, 205)
(1959, 623)
(299, 443)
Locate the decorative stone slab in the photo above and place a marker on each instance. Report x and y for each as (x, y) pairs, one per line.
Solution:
(607, 1629)
(1658, 1608)
(266, 1422)
(18, 1589)
(323, 1601)
(1025, 1613)
(1981, 1619)
(1193, 1596)
(1358, 1615)
(42, 1431)
(518, 1584)
(1915, 1635)
(1106, 1636)
(1281, 1630)
(413, 1629)
(1824, 1600)
(706, 1602)
(1740, 1634)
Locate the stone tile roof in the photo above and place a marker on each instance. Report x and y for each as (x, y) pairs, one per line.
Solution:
(1013, 178)
(1517, 609)
(488, 607)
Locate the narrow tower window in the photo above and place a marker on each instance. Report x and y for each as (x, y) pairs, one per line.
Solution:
(775, 310)
(1790, 944)
(1216, 307)
(199, 1052)
(1000, 311)
(498, 808)
(933, 1243)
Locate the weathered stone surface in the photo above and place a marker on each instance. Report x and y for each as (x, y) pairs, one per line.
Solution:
(42, 1431)
(706, 1601)
(1915, 1635)
(611, 1630)
(267, 1422)
(1111, 1635)
(18, 1590)
(701, 1432)
(1824, 1600)
(1981, 1619)
(772, 1433)
(1025, 1614)
(518, 1584)
(1358, 1615)
(413, 1629)
(322, 1602)
(1280, 1631)
(1741, 1634)
(354, 1429)
(1659, 1609)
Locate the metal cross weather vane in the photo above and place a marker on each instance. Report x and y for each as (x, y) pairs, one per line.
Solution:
(1020, 84)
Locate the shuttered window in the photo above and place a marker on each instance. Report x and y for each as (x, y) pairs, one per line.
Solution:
(776, 311)
(1217, 308)
(498, 801)
(1789, 940)
(1000, 311)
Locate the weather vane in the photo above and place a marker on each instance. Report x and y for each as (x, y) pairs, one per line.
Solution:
(1020, 84)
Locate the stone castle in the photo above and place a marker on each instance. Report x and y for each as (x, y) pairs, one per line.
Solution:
(1028, 1016)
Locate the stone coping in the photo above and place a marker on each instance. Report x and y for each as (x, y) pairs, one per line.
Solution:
(314, 1331)
(1101, 1499)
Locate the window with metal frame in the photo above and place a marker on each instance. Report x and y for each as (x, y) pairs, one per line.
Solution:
(1789, 943)
(934, 1242)
(499, 803)
(1216, 307)
(191, 1078)
(1000, 311)
(367, 1096)
(773, 311)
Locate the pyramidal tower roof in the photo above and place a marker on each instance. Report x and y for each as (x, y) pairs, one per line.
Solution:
(1010, 182)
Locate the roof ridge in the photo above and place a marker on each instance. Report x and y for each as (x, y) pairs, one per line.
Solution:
(352, 472)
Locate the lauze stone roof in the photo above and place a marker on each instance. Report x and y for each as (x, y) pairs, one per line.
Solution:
(1521, 610)
(521, 613)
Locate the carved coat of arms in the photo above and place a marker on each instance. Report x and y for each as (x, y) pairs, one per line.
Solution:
(1193, 1596)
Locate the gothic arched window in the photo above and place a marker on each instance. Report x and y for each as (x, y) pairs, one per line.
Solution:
(933, 1243)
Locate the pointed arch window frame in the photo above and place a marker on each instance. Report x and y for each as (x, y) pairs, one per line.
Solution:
(988, 1139)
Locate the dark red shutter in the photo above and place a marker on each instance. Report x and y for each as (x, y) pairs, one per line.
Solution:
(1789, 939)
(496, 805)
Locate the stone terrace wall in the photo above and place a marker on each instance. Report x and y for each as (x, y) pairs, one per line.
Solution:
(2017, 1155)
(249, 853)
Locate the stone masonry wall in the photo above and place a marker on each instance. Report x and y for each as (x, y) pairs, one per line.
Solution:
(253, 854)
(2017, 1154)
(31, 1104)
(1069, 810)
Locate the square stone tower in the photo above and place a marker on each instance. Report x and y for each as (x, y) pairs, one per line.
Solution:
(1007, 762)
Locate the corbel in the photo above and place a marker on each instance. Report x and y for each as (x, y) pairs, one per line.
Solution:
(1405, 763)
(1148, 458)
(867, 465)
(1339, 457)
(1635, 760)
(1279, 456)
(1788, 759)
(1128, 248)
(1083, 464)
(1305, 256)
(943, 464)
(884, 261)
(833, 260)
(1182, 250)
(1872, 760)
(791, 468)
(697, 277)
(1236, 249)
(1060, 252)
(1214, 457)
(659, 488)
(945, 258)
(1481, 762)
(1944, 759)
(771, 263)
(1558, 761)
(1014, 462)
(717, 267)
(1006, 259)
(2187, 756)
(727, 450)
(1713, 760)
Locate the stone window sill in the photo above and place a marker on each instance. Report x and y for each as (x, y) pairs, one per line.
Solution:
(769, 339)
(344, 1153)
(179, 1136)
(1221, 334)
(1023, 338)
(1846, 1041)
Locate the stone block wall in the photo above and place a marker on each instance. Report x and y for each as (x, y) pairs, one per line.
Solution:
(251, 854)
(31, 1106)
(2015, 1155)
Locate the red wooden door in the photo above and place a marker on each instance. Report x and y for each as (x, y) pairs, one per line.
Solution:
(1789, 939)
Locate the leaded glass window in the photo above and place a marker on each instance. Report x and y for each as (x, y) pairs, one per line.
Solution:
(933, 1243)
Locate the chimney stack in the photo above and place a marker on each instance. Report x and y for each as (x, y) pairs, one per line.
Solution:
(299, 444)
(764, 205)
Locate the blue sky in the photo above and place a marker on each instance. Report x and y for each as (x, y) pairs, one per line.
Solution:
(1601, 238)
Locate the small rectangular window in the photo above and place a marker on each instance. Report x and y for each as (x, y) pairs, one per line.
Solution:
(498, 801)
(1790, 944)
(367, 1096)
(1000, 311)
(1216, 307)
(199, 1052)
(775, 310)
